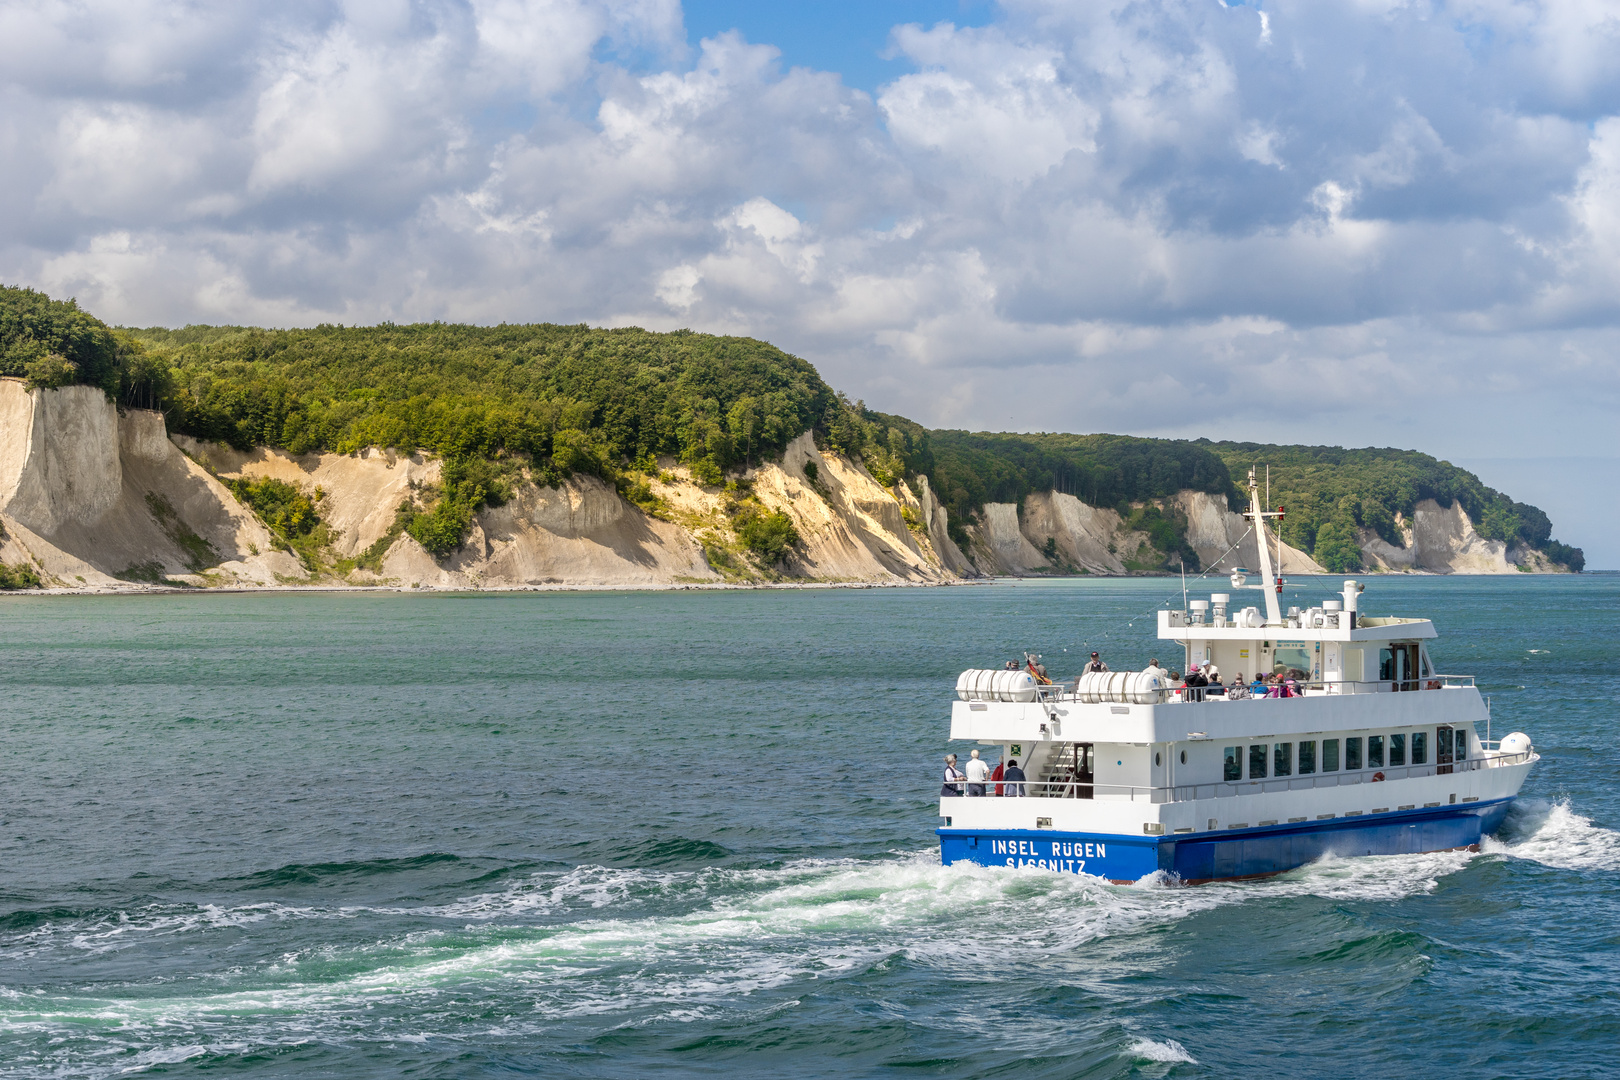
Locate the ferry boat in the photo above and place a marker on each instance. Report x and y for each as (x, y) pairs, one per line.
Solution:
(1129, 776)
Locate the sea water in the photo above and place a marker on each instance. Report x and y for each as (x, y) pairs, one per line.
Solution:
(691, 833)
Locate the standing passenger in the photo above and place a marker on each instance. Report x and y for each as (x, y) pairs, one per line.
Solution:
(1096, 664)
(977, 773)
(996, 776)
(1015, 780)
(953, 778)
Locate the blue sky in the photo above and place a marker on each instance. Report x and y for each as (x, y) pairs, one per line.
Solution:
(849, 38)
(1351, 222)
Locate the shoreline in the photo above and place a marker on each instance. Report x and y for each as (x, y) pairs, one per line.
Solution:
(141, 589)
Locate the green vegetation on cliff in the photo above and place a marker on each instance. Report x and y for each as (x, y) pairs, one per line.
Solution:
(558, 400)
(54, 343)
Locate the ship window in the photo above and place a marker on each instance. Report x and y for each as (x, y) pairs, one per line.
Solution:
(1352, 752)
(1420, 747)
(1330, 755)
(1257, 761)
(1234, 763)
(1184, 757)
(1375, 751)
(1282, 759)
(1291, 658)
(1158, 759)
(1307, 757)
(1397, 749)
(1462, 745)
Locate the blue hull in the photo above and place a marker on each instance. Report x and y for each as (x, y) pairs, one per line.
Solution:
(1221, 856)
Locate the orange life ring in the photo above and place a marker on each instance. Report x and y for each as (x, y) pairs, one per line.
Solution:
(1377, 776)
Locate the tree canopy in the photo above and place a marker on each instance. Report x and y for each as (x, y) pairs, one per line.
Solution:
(54, 343)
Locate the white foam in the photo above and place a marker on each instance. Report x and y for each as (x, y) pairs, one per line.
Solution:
(1169, 1051)
(1554, 835)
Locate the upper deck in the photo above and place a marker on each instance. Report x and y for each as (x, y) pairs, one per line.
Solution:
(1174, 715)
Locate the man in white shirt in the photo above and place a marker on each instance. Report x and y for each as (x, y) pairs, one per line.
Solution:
(977, 773)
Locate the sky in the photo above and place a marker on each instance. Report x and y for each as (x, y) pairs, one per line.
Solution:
(1364, 222)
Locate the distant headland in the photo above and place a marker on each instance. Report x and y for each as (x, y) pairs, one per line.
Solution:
(449, 456)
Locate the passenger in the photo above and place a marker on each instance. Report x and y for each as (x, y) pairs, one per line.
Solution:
(1156, 671)
(1096, 664)
(1238, 690)
(953, 778)
(1258, 687)
(1012, 665)
(1014, 787)
(977, 773)
(1212, 676)
(1195, 686)
(996, 776)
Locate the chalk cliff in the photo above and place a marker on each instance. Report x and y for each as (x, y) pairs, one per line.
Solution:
(1007, 540)
(92, 496)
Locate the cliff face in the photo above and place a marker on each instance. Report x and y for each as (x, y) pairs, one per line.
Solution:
(1442, 540)
(1005, 541)
(94, 497)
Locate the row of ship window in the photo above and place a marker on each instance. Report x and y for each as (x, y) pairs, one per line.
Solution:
(1281, 759)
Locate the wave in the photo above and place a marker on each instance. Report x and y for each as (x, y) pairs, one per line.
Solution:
(1167, 1051)
(338, 872)
(1553, 834)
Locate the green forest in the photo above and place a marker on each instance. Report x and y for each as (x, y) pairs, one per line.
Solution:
(552, 401)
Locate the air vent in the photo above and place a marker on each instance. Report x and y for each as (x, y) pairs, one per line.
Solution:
(1043, 823)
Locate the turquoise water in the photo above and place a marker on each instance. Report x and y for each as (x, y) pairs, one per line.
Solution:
(690, 833)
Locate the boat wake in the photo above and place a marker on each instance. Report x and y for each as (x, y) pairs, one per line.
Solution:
(615, 948)
(1553, 834)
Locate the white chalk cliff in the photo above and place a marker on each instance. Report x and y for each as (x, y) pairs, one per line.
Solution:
(92, 496)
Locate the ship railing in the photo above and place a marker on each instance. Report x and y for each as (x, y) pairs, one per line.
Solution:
(1087, 789)
(1064, 693)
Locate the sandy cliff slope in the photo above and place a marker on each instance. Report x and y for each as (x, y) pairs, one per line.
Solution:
(95, 497)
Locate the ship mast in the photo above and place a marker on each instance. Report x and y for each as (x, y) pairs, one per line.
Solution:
(1272, 583)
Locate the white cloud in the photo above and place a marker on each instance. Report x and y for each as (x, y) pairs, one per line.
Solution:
(1342, 221)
